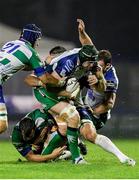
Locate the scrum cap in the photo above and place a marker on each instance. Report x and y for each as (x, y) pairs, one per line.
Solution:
(31, 33)
(88, 53)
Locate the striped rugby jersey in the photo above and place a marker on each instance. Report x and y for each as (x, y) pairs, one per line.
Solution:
(14, 55)
(64, 64)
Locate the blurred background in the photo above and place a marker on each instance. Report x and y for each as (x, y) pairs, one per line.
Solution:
(112, 25)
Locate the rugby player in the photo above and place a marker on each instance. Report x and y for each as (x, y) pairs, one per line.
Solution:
(61, 68)
(30, 134)
(19, 55)
(98, 104)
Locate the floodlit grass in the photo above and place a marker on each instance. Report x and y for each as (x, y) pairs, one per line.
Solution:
(101, 164)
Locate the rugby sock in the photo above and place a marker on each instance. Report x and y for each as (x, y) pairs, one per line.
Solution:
(72, 136)
(109, 146)
(55, 140)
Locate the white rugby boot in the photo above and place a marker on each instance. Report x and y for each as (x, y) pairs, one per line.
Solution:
(129, 162)
(80, 160)
(65, 155)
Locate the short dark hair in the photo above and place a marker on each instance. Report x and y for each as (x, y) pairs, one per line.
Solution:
(105, 55)
(57, 50)
(26, 125)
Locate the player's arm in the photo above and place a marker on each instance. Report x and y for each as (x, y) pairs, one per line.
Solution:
(27, 68)
(33, 81)
(39, 70)
(102, 83)
(49, 79)
(43, 158)
(83, 36)
(107, 105)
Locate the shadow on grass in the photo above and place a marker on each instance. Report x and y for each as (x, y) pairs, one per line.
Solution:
(19, 161)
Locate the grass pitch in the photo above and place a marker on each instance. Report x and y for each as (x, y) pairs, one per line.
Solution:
(101, 164)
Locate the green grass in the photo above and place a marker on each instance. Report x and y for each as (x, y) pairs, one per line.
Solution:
(101, 164)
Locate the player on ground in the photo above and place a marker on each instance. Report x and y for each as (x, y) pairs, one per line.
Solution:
(31, 132)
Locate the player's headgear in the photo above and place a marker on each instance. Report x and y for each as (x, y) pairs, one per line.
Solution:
(88, 53)
(31, 33)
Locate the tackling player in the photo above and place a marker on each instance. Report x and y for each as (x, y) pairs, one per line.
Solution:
(61, 67)
(99, 103)
(18, 55)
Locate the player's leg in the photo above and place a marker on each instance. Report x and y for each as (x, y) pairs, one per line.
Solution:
(89, 133)
(88, 130)
(106, 144)
(66, 112)
(53, 141)
(3, 113)
(70, 115)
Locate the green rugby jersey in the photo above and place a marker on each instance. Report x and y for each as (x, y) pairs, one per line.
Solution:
(14, 55)
(41, 120)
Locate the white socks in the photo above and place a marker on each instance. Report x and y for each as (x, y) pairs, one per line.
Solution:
(109, 146)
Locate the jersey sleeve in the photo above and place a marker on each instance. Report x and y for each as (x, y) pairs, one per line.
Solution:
(66, 66)
(36, 64)
(22, 147)
(112, 81)
(40, 118)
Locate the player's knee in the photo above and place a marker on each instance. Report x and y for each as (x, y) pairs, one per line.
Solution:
(91, 137)
(3, 126)
(3, 118)
(70, 114)
(89, 132)
(99, 138)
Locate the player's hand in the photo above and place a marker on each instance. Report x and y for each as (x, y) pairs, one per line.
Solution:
(99, 72)
(57, 152)
(99, 68)
(92, 79)
(81, 25)
(36, 147)
(51, 80)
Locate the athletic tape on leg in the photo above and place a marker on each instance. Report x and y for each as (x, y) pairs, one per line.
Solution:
(69, 112)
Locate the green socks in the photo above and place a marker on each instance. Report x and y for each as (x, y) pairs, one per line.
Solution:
(72, 136)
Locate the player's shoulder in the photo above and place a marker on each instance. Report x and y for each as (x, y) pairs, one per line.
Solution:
(65, 55)
(71, 52)
(8, 43)
(26, 46)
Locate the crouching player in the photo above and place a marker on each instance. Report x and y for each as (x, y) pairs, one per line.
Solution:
(31, 132)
